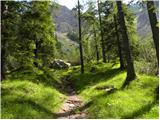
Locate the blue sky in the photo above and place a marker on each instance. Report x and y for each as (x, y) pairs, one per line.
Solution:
(72, 3)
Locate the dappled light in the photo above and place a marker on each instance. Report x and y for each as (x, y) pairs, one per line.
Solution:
(81, 59)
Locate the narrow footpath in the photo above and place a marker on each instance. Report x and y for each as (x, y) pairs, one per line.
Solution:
(73, 107)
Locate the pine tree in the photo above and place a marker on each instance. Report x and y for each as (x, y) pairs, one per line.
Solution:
(130, 67)
(102, 35)
(80, 39)
(36, 32)
(154, 25)
(9, 19)
(119, 45)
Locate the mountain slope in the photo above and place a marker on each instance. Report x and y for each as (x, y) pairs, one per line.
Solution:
(65, 19)
(143, 23)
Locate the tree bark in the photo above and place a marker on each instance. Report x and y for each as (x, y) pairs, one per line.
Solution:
(3, 43)
(96, 44)
(102, 39)
(130, 67)
(122, 67)
(36, 55)
(3, 62)
(154, 26)
(80, 39)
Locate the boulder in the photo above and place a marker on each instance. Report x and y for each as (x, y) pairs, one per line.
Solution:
(60, 64)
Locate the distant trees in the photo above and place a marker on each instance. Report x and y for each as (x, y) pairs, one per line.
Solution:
(91, 32)
(96, 42)
(73, 36)
(102, 34)
(130, 67)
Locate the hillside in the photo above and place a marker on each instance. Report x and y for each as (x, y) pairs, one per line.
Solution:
(143, 24)
(65, 19)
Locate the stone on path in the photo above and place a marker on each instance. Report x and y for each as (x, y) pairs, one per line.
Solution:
(71, 105)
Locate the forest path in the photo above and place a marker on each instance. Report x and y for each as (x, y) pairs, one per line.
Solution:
(73, 107)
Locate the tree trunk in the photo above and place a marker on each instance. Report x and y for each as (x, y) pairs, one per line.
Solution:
(80, 39)
(122, 67)
(154, 26)
(3, 43)
(96, 44)
(3, 62)
(130, 67)
(157, 93)
(102, 39)
(36, 55)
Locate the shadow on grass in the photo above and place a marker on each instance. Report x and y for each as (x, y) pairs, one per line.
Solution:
(34, 105)
(135, 114)
(46, 78)
(26, 106)
(144, 109)
(82, 80)
(13, 100)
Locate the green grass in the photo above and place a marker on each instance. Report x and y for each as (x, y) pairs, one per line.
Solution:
(135, 101)
(35, 94)
(31, 94)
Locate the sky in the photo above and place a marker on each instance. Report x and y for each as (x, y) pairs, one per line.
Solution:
(68, 3)
(72, 3)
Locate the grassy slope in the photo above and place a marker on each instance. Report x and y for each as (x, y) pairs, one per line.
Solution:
(31, 94)
(69, 48)
(136, 101)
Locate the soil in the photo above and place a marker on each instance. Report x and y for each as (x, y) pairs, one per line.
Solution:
(73, 107)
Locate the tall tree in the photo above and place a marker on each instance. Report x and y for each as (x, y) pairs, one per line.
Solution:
(119, 44)
(3, 49)
(130, 67)
(96, 44)
(155, 30)
(154, 25)
(91, 23)
(80, 39)
(9, 13)
(102, 35)
(40, 43)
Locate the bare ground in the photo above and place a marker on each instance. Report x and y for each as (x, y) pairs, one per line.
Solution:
(73, 107)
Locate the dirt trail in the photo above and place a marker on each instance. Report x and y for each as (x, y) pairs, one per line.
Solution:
(73, 107)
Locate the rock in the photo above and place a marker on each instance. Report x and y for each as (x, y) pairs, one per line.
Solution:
(71, 105)
(59, 64)
(105, 87)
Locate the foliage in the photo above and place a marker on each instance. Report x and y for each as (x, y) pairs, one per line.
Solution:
(38, 19)
(73, 36)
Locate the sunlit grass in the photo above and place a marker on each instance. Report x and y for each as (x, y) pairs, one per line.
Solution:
(30, 98)
(135, 101)
(29, 94)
